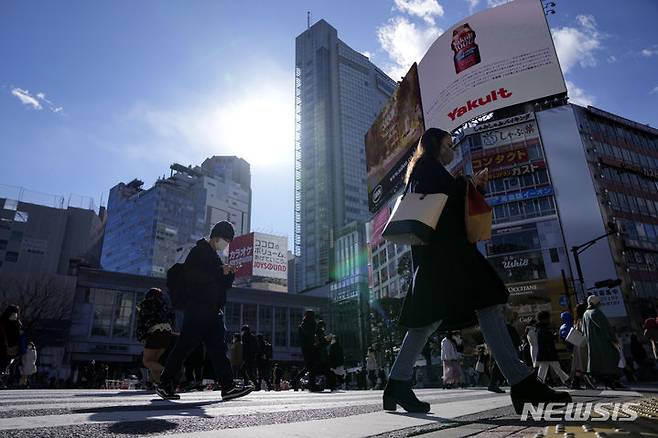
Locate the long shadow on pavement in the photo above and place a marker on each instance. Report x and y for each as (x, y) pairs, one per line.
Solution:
(155, 405)
(139, 428)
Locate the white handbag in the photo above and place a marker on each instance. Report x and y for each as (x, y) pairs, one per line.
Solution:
(414, 218)
(575, 337)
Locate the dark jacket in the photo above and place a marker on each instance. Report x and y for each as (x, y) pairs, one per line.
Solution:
(452, 278)
(250, 348)
(206, 282)
(546, 344)
(307, 333)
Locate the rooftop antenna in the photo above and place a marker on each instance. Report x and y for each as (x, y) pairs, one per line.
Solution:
(308, 19)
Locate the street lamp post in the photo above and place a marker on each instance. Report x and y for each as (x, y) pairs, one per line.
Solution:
(579, 249)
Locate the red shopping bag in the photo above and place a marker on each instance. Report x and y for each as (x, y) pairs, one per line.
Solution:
(478, 215)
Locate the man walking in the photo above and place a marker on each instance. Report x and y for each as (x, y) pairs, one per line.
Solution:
(206, 280)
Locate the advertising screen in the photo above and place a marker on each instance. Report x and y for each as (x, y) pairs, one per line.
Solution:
(390, 139)
(496, 58)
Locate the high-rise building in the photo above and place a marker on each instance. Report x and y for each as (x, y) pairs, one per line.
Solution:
(339, 93)
(147, 228)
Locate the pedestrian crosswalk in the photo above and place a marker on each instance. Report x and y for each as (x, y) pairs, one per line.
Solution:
(100, 413)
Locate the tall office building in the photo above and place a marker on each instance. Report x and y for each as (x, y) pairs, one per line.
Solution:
(338, 94)
(146, 228)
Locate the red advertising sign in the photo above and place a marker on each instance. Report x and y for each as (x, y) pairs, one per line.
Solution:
(241, 255)
(501, 159)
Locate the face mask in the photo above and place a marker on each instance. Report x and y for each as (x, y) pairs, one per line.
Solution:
(13, 317)
(222, 244)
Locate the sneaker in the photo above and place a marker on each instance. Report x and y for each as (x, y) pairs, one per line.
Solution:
(166, 392)
(236, 392)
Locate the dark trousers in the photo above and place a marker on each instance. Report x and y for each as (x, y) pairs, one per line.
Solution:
(201, 325)
(194, 365)
(310, 363)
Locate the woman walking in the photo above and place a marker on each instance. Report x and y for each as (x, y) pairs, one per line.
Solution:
(452, 369)
(155, 322)
(28, 366)
(579, 358)
(454, 287)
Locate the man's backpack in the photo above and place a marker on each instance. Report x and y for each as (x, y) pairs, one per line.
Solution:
(177, 286)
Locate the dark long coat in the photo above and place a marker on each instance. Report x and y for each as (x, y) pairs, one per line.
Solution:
(452, 279)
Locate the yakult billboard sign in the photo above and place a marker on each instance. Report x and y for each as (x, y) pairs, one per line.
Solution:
(496, 58)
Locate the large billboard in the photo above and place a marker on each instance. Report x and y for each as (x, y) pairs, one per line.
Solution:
(390, 139)
(496, 58)
(270, 256)
(259, 255)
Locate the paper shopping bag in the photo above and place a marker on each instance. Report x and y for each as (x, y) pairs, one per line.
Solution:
(478, 215)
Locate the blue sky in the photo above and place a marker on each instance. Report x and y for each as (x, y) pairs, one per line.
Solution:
(94, 93)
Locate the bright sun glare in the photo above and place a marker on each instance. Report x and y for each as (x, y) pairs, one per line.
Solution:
(259, 128)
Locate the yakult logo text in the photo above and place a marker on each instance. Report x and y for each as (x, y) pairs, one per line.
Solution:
(482, 101)
(580, 412)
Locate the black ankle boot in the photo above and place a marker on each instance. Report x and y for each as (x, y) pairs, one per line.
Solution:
(398, 392)
(530, 390)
